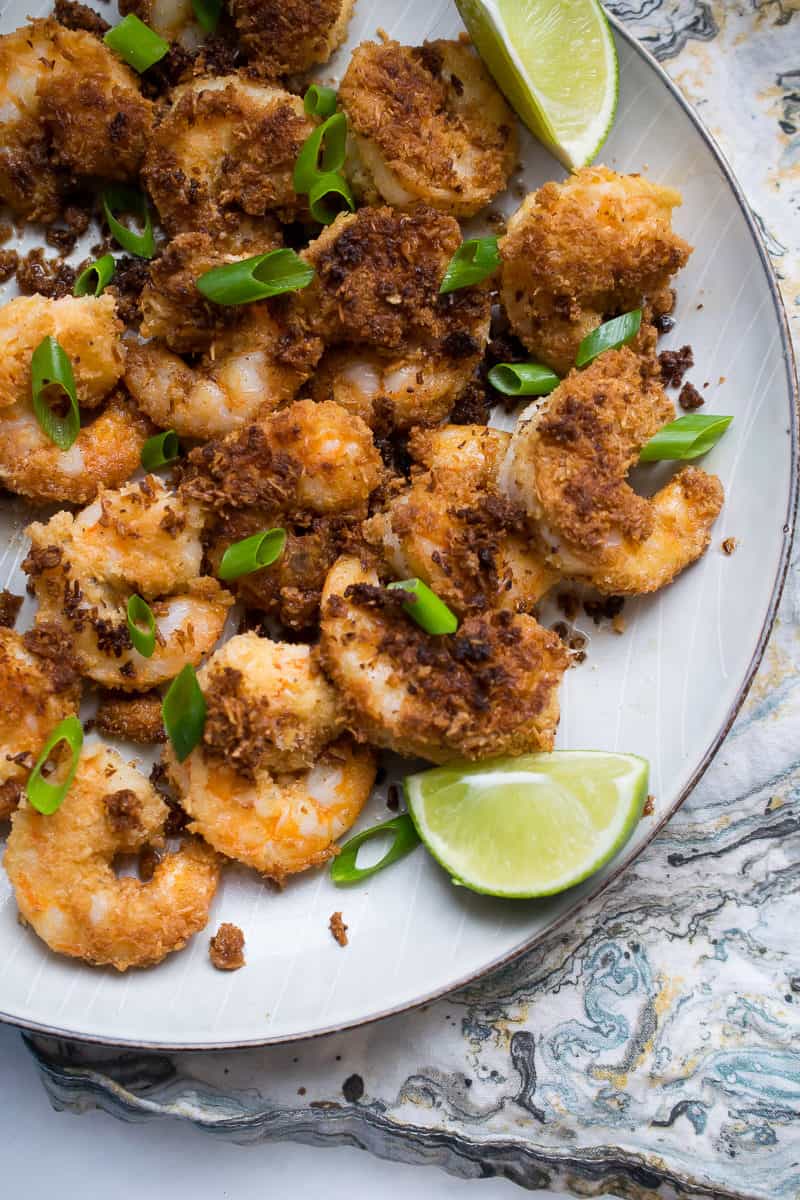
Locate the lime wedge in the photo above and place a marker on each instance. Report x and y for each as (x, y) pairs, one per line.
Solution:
(528, 826)
(557, 64)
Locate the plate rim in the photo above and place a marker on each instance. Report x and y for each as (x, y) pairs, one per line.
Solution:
(530, 943)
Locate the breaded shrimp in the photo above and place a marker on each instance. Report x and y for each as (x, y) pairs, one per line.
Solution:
(454, 530)
(68, 107)
(284, 37)
(489, 689)
(171, 19)
(37, 692)
(567, 464)
(106, 451)
(61, 869)
(406, 353)
(225, 147)
(427, 124)
(142, 539)
(581, 251)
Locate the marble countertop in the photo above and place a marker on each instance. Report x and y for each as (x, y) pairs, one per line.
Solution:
(652, 1045)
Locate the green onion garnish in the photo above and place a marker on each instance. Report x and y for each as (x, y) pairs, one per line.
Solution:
(136, 42)
(160, 450)
(95, 277)
(609, 336)
(47, 797)
(128, 200)
(406, 838)
(329, 195)
(322, 151)
(426, 608)
(523, 379)
(51, 370)
(320, 101)
(256, 278)
(183, 710)
(252, 553)
(472, 262)
(141, 614)
(686, 438)
(207, 14)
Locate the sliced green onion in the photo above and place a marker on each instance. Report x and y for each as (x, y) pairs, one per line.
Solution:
(140, 613)
(523, 379)
(406, 839)
(252, 553)
(183, 710)
(207, 14)
(426, 608)
(47, 797)
(322, 151)
(160, 450)
(324, 209)
(320, 101)
(137, 43)
(95, 277)
(256, 278)
(686, 438)
(128, 200)
(51, 370)
(609, 336)
(472, 262)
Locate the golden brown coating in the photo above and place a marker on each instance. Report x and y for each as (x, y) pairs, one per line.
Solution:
(284, 37)
(427, 124)
(489, 689)
(581, 251)
(61, 869)
(568, 463)
(69, 108)
(131, 718)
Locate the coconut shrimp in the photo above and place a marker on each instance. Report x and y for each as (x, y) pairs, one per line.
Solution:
(173, 20)
(224, 150)
(489, 689)
(61, 868)
(64, 98)
(567, 464)
(579, 252)
(454, 530)
(405, 352)
(142, 539)
(427, 124)
(38, 691)
(107, 448)
(284, 37)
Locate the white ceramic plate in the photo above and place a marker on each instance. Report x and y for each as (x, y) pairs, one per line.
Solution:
(668, 688)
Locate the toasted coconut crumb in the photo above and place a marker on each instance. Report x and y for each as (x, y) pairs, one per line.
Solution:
(649, 806)
(10, 605)
(618, 623)
(226, 948)
(689, 398)
(134, 718)
(729, 545)
(338, 928)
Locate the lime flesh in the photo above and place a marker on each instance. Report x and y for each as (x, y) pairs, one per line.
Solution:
(529, 826)
(557, 64)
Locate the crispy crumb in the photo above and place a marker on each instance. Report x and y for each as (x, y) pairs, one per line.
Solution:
(149, 858)
(649, 806)
(618, 623)
(690, 398)
(226, 948)
(338, 928)
(729, 545)
(10, 604)
(134, 718)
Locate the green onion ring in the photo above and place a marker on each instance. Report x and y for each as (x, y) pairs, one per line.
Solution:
(687, 438)
(609, 336)
(320, 101)
(474, 261)
(252, 553)
(102, 270)
(183, 710)
(47, 797)
(160, 450)
(331, 139)
(426, 608)
(256, 278)
(523, 379)
(207, 14)
(406, 839)
(138, 44)
(51, 369)
(331, 183)
(129, 200)
(140, 613)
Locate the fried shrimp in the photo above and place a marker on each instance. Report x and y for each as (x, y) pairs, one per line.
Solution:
(427, 125)
(142, 539)
(65, 99)
(172, 19)
(38, 692)
(489, 689)
(567, 464)
(107, 448)
(61, 868)
(453, 529)
(579, 252)
(405, 352)
(223, 152)
(285, 37)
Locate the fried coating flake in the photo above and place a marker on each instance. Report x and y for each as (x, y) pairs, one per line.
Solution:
(284, 37)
